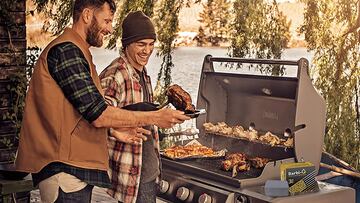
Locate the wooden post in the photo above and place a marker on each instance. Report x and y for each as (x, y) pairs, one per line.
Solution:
(12, 59)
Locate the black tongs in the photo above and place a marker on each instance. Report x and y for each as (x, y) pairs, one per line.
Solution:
(148, 106)
(142, 106)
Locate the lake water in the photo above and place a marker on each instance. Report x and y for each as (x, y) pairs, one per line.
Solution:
(187, 63)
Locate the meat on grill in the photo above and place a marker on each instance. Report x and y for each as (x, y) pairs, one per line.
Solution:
(180, 99)
(221, 128)
(232, 160)
(235, 162)
(289, 142)
(258, 162)
(270, 138)
(189, 151)
(239, 162)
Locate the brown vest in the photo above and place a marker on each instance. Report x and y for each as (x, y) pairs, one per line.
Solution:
(52, 129)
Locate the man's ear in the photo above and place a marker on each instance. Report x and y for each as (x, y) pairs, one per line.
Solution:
(87, 15)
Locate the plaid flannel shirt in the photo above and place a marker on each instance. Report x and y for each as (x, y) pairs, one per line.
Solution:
(121, 85)
(69, 68)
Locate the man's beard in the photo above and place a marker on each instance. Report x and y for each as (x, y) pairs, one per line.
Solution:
(92, 35)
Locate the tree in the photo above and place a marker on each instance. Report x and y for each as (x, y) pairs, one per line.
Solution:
(215, 19)
(57, 13)
(332, 30)
(201, 37)
(259, 30)
(167, 20)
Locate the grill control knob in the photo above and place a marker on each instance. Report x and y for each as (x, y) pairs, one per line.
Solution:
(242, 199)
(182, 193)
(205, 198)
(164, 186)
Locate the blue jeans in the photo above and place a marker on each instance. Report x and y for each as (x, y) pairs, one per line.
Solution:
(81, 196)
(147, 192)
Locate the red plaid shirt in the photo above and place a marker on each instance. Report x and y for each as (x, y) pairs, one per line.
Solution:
(121, 85)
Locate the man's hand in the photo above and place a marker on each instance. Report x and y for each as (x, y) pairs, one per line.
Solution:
(130, 135)
(167, 118)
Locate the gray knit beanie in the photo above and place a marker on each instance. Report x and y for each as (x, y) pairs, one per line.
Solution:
(137, 26)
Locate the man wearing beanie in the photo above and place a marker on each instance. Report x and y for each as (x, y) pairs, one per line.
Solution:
(134, 163)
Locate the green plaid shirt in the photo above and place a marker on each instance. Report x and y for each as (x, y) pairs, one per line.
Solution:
(69, 68)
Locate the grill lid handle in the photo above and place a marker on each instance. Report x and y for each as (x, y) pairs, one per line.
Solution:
(289, 133)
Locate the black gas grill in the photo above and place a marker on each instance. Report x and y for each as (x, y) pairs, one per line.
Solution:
(268, 103)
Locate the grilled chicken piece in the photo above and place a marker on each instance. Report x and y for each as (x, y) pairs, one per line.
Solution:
(289, 142)
(227, 165)
(239, 162)
(236, 131)
(236, 156)
(258, 162)
(252, 135)
(270, 138)
(241, 166)
(235, 160)
(180, 99)
(221, 128)
(226, 131)
(211, 128)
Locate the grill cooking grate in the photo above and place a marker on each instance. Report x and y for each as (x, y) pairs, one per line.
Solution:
(209, 169)
(214, 165)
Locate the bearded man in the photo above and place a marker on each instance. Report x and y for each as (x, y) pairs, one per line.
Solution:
(63, 138)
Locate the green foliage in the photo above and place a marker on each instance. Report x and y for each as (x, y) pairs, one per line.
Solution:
(167, 20)
(332, 30)
(259, 30)
(201, 37)
(215, 19)
(58, 14)
(17, 87)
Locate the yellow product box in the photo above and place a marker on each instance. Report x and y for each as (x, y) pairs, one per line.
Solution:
(300, 176)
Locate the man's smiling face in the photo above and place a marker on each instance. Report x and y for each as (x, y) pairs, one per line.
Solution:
(139, 52)
(101, 25)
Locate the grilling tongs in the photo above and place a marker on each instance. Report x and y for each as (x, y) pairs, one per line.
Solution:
(147, 106)
(194, 114)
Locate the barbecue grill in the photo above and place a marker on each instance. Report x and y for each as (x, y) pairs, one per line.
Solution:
(266, 103)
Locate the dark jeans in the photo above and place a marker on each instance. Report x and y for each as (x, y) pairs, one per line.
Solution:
(81, 196)
(147, 192)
